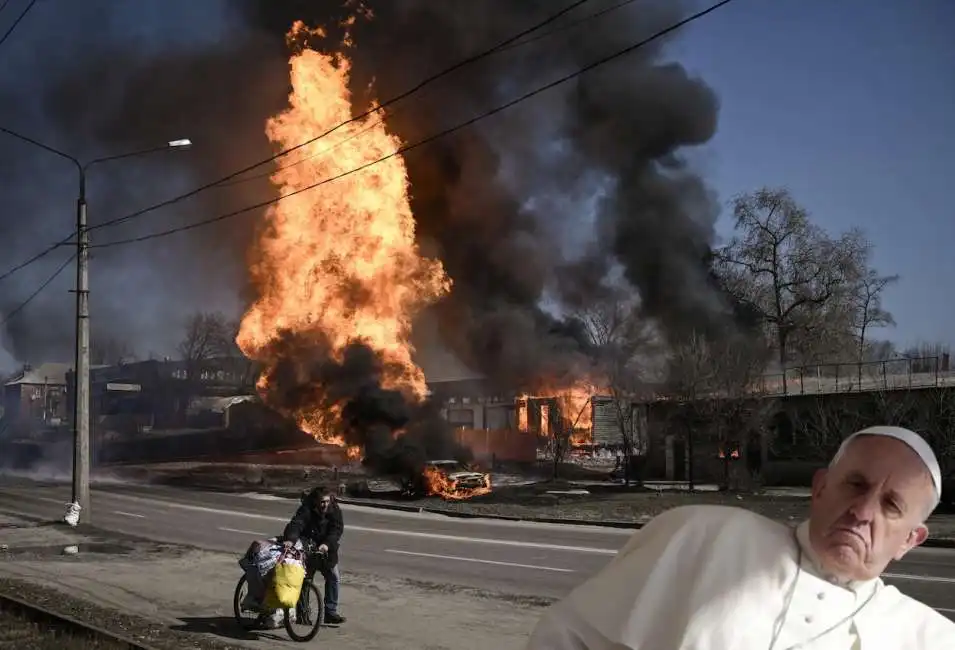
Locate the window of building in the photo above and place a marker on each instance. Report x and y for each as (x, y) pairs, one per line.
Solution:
(461, 418)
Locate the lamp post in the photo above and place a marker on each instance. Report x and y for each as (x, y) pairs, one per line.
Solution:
(80, 505)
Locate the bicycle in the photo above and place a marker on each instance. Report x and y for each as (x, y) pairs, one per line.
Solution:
(305, 611)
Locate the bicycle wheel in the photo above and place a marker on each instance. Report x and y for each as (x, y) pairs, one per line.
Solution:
(309, 613)
(240, 592)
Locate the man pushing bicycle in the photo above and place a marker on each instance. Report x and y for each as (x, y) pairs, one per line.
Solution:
(319, 525)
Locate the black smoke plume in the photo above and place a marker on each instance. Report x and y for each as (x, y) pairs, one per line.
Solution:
(591, 175)
(504, 205)
(397, 435)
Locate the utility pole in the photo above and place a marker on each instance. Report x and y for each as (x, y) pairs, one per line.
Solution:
(81, 380)
(80, 506)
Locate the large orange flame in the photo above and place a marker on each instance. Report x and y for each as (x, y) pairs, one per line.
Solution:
(339, 262)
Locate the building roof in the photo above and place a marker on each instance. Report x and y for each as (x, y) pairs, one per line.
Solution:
(45, 373)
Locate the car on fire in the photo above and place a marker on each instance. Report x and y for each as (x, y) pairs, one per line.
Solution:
(447, 478)
(458, 476)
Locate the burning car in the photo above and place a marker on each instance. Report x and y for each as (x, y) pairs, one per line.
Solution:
(451, 479)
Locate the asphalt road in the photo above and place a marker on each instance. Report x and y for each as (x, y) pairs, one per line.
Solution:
(511, 557)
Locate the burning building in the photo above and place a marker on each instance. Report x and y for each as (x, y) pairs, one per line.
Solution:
(476, 231)
(343, 271)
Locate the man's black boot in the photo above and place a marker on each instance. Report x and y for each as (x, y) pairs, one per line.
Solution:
(334, 619)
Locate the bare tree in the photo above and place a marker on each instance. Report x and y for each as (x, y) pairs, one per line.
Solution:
(866, 303)
(928, 357)
(940, 429)
(876, 350)
(207, 335)
(691, 380)
(626, 345)
(820, 424)
(785, 269)
(555, 426)
(714, 381)
(563, 423)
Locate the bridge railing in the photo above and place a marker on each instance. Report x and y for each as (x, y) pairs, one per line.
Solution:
(889, 374)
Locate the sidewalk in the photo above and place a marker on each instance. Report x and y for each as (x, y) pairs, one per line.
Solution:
(191, 591)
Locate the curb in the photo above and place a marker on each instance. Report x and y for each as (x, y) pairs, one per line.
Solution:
(458, 514)
(44, 616)
(931, 542)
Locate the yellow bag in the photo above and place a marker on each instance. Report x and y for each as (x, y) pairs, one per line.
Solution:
(286, 584)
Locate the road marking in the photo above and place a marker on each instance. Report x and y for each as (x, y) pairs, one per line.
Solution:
(422, 516)
(443, 537)
(381, 531)
(908, 576)
(246, 532)
(458, 558)
(128, 514)
(258, 496)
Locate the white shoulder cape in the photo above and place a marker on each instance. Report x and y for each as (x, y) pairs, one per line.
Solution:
(713, 578)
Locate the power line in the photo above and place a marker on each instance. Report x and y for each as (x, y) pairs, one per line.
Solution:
(35, 258)
(570, 25)
(17, 21)
(407, 93)
(224, 181)
(396, 111)
(9, 315)
(607, 59)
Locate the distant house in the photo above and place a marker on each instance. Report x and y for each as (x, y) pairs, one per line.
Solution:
(37, 395)
(156, 394)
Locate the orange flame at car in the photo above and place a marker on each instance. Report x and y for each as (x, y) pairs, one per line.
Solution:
(438, 483)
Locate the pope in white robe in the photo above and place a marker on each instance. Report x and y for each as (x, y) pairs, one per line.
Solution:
(722, 578)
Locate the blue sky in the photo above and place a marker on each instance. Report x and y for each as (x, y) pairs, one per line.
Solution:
(851, 104)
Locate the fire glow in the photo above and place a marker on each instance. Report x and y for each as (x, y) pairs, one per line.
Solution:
(339, 262)
(439, 484)
(574, 405)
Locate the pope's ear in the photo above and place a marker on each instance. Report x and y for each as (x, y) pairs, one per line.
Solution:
(916, 537)
(819, 481)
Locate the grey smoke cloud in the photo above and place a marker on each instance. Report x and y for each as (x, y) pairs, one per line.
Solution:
(99, 78)
(501, 204)
(507, 205)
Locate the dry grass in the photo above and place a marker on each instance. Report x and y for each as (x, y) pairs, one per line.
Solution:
(18, 632)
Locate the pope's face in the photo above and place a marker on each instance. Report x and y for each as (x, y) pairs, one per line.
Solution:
(869, 508)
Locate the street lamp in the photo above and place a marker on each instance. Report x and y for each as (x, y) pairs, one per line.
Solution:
(81, 402)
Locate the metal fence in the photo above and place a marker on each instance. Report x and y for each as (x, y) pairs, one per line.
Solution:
(889, 374)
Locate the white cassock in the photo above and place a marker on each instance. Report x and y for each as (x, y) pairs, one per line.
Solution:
(721, 578)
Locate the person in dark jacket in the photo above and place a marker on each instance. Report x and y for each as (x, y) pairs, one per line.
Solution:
(318, 523)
